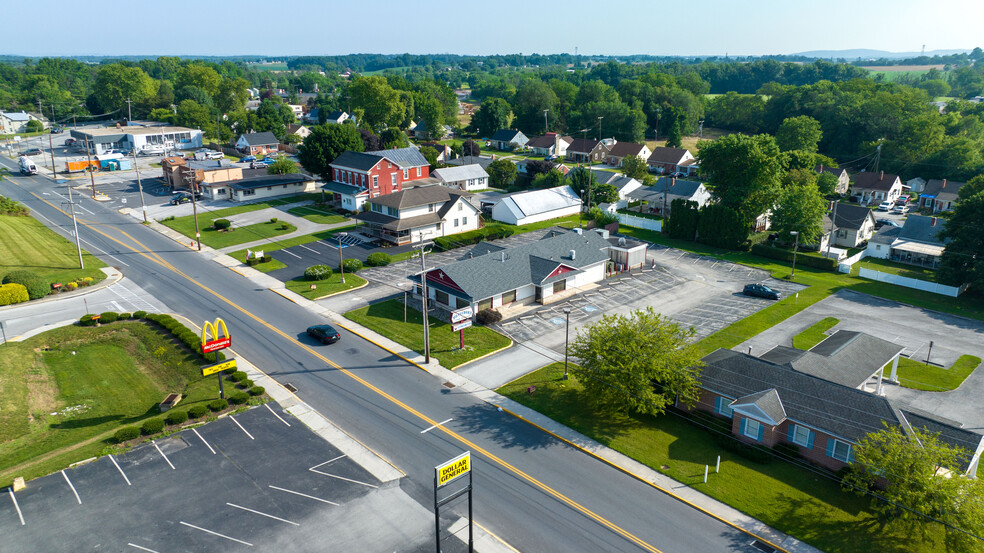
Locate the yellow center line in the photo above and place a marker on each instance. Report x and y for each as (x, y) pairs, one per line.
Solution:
(471, 445)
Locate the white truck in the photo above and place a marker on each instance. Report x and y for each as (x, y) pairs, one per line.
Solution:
(27, 167)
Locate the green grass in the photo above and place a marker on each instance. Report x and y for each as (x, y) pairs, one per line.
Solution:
(569, 221)
(900, 269)
(186, 225)
(119, 372)
(266, 267)
(783, 495)
(326, 287)
(386, 318)
(318, 214)
(293, 241)
(240, 235)
(815, 334)
(28, 244)
(920, 376)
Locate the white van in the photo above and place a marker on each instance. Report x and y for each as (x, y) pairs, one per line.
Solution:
(27, 167)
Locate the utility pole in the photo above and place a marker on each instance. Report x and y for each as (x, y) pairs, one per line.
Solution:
(88, 168)
(129, 111)
(877, 155)
(545, 121)
(75, 226)
(423, 297)
(40, 143)
(143, 206)
(51, 146)
(833, 228)
(193, 186)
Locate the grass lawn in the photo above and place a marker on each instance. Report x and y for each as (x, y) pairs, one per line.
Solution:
(900, 269)
(325, 287)
(920, 376)
(186, 225)
(318, 214)
(785, 496)
(94, 380)
(815, 334)
(294, 241)
(240, 235)
(570, 221)
(386, 318)
(28, 244)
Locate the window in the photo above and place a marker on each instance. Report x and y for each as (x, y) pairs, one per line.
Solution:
(337, 177)
(722, 407)
(801, 435)
(459, 303)
(418, 171)
(464, 221)
(509, 297)
(406, 174)
(249, 192)
(430, 208)
(839, 450)
(375, 181)
(559, 286)
(456, 222)
(392, 211)
(437, 226)
(376, 207)
(461, 206)
(345, 177)
(221, 191)
(441, 297)
(752, 429)
(394, 179)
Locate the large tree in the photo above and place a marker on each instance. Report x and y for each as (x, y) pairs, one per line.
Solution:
(282, 166)
(502, 173)
(800, 208)
(963, 258)
(580, 178)
(640, 363)
(202, 76)
(324, 144)
(532, 97)
(634, 167)
(116, 82)
(195, 116)
(379, 103)
(799, 133)
(744, 171)
(492, 116)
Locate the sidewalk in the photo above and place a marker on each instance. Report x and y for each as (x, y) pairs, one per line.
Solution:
(112, 277)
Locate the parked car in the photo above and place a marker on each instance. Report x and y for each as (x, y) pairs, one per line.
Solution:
(212, 154)
(70, 141)
(248, 159)
(879, 223)
(761, 291)
(325, 334)
(900, 209)
(32, 152)
(885, 206)
(904, 200)
(184, 197)
(56, 130)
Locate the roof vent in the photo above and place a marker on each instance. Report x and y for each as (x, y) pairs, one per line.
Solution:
(621, 241)
(502, 256)
(573, 253)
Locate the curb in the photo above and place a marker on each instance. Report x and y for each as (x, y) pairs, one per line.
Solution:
(112, 277)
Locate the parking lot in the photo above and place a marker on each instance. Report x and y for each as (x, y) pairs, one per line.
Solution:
(225, 486)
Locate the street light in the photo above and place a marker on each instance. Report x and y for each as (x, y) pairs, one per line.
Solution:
(341, 257)
(567, 338)
(795, 246)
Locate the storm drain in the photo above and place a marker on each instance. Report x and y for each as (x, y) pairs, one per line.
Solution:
(448, 385)
(290, 387)
(764, 547)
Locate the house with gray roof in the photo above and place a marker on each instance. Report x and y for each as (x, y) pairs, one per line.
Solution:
(623, 185)
(465, 177)
(550, 144)
(508, 139)
(421, 212)
(620, 150)
(255, 143)
(878, 187)
(918, 242)
(666, 161)
(940, 195)
(358, 176)
(770, 403)
(16, 121)
(533, 206)
(661, 195)
(850, 225)
(586, 150)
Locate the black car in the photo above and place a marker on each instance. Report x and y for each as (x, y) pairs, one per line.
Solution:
(326, 334)
(56, 130)
(32, 152)
(761, 291)
(184, 197)
(882, 222)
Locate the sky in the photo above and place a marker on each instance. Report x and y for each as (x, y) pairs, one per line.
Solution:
(606, 27)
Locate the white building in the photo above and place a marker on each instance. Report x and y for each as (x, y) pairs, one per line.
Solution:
(533, 206)
(136, 138)
(465, 177)
(15, 122)
(420, 212)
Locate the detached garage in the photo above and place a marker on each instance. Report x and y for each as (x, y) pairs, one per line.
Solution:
(523, 208)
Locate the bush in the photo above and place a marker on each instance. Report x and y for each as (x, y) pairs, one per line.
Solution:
(352, 265)
(197, 411)
(152, 426)
(317, 272)
(10, 207)
(802, 258)
(36, 286)
(488, 317)
(488, 232)
(124, 316)
(239, 398)
(126, 434)
(87, 320)
(176, 417)
(13, 293)
(217, 405)
(181, 332)
(791, 451)
(257, 391)
(108, 317)
(754, 453)
(139, 314)
(246, 384)
(273, 219)
(239, 376)
(284, 226)
(221, 224)
(378, 259)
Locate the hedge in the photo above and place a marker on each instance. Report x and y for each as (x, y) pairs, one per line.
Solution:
(221, 224)
(126, 433)
(239, 398)
(181, 332)
(87, 320)
(36, 286)
(317, 272)
(176, 417)
(139, 314)
(352, 265)
(152, 426)
(217, 405)
(378, 259)
(13, 293)
(124, 316)
(10, 207)
(803, 259)
(257, 391)
(197, 411)
(108, 317)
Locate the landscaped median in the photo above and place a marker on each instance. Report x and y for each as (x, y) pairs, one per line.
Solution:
(273, 246)
(387, 319)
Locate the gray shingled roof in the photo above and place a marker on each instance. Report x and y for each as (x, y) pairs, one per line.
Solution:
(546, 141)
(505, 135)
(851, 216)
(666, 155)
(268, 180)
(847, 357)
(484, 162)
(417, 196)
(391, 223)
(356, 160)
(404, 157)
(622, 149)
(342, 188)
(261, 138)
(945, 190)
(920, 228)
(582, 145)
(874, 181)
(766, 401)
(681, 188)
(464, 172)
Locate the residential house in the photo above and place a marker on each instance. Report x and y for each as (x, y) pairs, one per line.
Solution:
(542, 271)
(521, 166)
(587, 150)
(770, 403)
(623, 184)
(852, 225)
(659, 197)
(873, 188)
(253, 105)
(508, 139)
(623, 149)
(12, 122)
(360, 176)
(298, 111)
(940, 195)
(916, 185)
(419, 213)
(665, 161)
(465, 177)
(300, 130)
(550, 144)
(532, 206)
(443, 150)
(336, 117)
(257, 143)
(918, 242)
(421, 131)
(261, 187)
(481, 161)
(843, 179)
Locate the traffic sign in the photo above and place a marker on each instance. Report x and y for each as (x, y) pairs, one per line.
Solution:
(454, 468)
(461, 326)
(462, 314)
(218, 367)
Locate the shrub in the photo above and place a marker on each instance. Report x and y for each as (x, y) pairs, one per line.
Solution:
(239, 376)
(273, 219)
(754, 453)
(246, 384)
(124, 316)
(217, 405)
(125, 434)
(488, 317)
(378, 259)
(352, 265)
(181, 332)
(239, 398)
(784, 449)
(317, 272)
(10, 207)
(71, 286)
(221, 224)
(283, 226)
(87, 320)
(197, 411)
(13, 293)
(108, 317)
(36, 286)
(257, 391)
(19, 276)
(87, 280)
(488, 232)
(176, 417)
(152, 426)
(139, 314)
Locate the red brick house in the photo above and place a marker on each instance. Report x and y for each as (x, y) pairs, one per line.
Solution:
(671, 160)
(360, 176)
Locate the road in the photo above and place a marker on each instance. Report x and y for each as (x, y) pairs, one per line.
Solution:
(533, 490)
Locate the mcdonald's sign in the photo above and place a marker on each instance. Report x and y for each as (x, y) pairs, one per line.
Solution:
(215, 343)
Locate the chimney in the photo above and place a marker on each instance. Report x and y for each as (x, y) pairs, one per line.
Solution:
(882, 177)
(573, 254)
(944, 184)
(932, 222)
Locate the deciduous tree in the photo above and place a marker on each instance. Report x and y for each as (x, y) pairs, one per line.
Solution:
(491, 116)
(745, 172)
(116, 82)
(963, 258)
(634, 167)
(502, 173)
(380, 104)
(282, 166)
(799, 133)
(324, 144)
(800, 208)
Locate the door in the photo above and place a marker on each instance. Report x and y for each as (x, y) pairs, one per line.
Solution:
(538, 295)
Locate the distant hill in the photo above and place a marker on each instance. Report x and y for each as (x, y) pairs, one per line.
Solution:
(863, 53)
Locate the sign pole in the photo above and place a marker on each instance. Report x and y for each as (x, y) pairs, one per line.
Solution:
(221, 390)
(461, 339)
(471, 520)
(4, 330)
(437, 517)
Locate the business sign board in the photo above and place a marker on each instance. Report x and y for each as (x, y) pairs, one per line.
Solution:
(211, 341)
(462, 314)
(459, 466)
(461, 326)
(218, 367)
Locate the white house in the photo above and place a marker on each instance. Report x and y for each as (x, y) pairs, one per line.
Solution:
(300, 130)
(621, 150)
(265, 186)
(668, 189)
(14, 122)
(550, 144)
(465, 177)
(623, 184)
(523, 208)
(876, 187)
(419, 213)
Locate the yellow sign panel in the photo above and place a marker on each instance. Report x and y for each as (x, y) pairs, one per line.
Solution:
(454, 468)
(218, 367)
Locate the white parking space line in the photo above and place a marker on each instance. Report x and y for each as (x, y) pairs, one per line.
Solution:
(216, 534)
(262, 514)
(326, 462)
(162, 455)
(343, 478)
(77, 498)
(241, 428)
(308, 249)
(327, 244)
(291, 253)
(195, 430)
(113, 459)
(141, 548)
(16, 506)
(304, 495)
(435, 426)
(267, 405)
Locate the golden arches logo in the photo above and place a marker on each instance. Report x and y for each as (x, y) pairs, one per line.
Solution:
(216, 342)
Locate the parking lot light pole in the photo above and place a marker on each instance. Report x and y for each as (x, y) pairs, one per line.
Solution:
(795, 247)
(341, 257)
(567, 339)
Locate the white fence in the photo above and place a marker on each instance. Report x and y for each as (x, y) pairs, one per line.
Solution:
(952, 291)
(640, 222)
(845, 265)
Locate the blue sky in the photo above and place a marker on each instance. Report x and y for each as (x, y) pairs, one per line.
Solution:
(614, 27)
